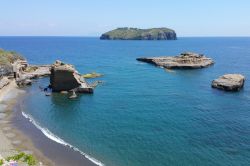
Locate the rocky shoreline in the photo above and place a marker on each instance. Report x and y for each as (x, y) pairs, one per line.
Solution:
(18, 74)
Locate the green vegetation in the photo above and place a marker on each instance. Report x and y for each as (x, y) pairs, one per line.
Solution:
(140, 34)
(92, 75)
(30, 160)
(7, 57)
(1, 162)
(27, 158)
(31, 69)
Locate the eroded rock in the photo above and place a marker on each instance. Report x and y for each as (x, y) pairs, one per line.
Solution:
(229, 82)
(64, 77)
(185, 60)
(3, 82)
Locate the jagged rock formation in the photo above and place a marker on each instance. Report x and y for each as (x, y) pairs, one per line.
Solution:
(36, 71)
(229, 82)
(3, 82)
(7, 58)
(64, 77)
(140, 34)
(185, 60)
(23, 72)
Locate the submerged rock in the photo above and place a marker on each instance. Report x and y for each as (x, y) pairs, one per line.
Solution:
(92, 75)
(185, 60)
(229, 82)
(64, 77)
(73, 95)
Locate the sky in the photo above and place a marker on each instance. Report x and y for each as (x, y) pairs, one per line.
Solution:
(94, 17)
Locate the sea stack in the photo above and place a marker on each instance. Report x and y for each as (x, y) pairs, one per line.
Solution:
(140, 34)
(229, 82)
(186, 60)
(64, 77)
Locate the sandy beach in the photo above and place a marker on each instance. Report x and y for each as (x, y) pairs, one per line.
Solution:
(17, 134)
(12, 140)
(6, 148)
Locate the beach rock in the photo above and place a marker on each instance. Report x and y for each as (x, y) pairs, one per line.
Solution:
(229, 82)
(64, 77)
(3, 82)
(187, 60)
(2, 115)
(10, 135)
(16, 142)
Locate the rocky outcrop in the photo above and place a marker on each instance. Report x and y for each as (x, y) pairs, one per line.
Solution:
(7, 58)
(23, 72)
(140, 34)
(64, 77)
(185, 60)
(4, 81)
(36, 72)
(229, 82)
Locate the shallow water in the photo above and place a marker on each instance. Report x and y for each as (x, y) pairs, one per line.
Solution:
(141, 114)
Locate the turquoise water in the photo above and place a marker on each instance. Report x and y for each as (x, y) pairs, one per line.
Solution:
(142, 115)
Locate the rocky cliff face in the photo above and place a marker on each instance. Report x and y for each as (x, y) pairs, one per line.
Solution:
(140, 34)
(186, 60)
(7, 58)
(64, 77)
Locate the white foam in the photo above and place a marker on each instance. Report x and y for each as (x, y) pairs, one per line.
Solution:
(55, 138)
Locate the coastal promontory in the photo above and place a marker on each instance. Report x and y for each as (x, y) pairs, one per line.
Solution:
(140, 34)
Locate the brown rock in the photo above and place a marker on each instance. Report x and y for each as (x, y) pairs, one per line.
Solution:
(185, 60)
(64, 77)
(229, 82)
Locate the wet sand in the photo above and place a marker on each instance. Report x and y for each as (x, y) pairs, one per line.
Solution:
(12, 139)
(59, 154)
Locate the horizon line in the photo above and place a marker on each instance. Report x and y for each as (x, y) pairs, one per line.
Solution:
(99, 36)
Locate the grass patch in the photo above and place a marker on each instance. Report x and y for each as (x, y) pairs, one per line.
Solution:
(92, 75)
(8, 57)
(22, 157)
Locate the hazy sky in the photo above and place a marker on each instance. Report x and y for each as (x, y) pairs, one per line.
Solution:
(93, 17)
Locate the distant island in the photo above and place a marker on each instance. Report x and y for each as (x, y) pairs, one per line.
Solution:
(140, 34)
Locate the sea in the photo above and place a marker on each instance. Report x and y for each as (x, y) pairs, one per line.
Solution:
(143, 115)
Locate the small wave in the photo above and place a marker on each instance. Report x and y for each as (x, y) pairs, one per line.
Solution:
(55, 138)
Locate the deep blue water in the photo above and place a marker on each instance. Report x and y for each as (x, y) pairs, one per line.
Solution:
(142, 115)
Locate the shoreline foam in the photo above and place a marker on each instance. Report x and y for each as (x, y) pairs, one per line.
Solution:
(10, 98)
(58, 140)
(10, 95)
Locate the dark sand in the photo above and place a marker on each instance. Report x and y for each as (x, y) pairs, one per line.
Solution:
(55, 153)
